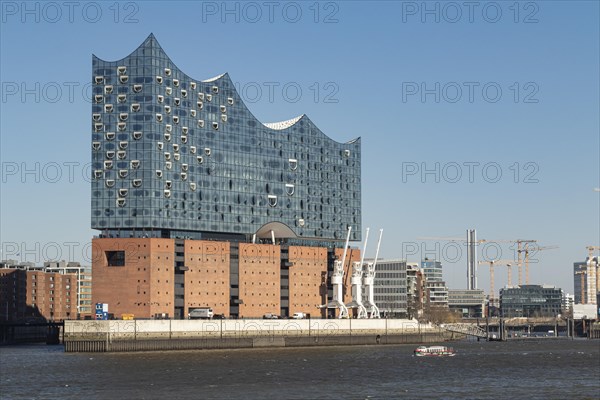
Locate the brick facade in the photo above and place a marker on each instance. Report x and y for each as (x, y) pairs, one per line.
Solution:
(143, 285)
(207, 279)
(259, 279)
(37, 294)
(140, 277)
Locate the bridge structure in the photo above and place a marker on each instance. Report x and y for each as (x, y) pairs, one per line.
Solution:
(466, 329)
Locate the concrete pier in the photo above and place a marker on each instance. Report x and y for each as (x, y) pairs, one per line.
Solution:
(149, 335)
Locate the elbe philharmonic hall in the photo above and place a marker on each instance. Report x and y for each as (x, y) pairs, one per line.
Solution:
(199, 204)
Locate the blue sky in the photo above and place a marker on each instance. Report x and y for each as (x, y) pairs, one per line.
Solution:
(483, 118)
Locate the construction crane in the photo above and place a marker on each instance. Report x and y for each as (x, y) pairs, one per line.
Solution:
(492, 264)
(472, 257)
(527, 250)
(519, 256)
(457, 239)
(590, 261)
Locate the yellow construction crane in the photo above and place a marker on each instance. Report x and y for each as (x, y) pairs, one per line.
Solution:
(492, 264)
(590, 260)
(520, 242)
(457, 239)
(528, 250)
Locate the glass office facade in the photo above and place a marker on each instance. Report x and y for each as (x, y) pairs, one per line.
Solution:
(531, 301)
(389, 288)
(174, 156)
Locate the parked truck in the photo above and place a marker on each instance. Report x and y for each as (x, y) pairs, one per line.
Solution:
(201, 313)
(299, 315)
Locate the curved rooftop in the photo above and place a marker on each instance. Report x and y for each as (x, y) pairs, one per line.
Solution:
(187, 156)
(151, 41)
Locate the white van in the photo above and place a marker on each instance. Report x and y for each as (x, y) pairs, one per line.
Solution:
(201, 313)
(298, 315)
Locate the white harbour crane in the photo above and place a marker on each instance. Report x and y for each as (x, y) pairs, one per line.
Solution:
(356, 281)
(368, 279)
(337, 281)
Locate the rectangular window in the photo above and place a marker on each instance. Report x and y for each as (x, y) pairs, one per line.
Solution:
(115, 258)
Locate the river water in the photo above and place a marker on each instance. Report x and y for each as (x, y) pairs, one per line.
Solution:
(528, 369)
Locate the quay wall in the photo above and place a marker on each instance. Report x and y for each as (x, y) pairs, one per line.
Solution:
(149, 335)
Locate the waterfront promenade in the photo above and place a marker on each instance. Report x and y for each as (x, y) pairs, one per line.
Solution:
(145, 335)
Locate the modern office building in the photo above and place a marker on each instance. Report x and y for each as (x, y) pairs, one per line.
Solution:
(435, 286)
(415, 290)
(531, 301)
(389, 287)
(27, 294)
(567, 302)
(84, 284)
(200, 204)
(585, 281)
(432, 270)
(468, 303)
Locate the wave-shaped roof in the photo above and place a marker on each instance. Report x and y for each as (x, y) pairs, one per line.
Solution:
(275, 127)
(283, 124)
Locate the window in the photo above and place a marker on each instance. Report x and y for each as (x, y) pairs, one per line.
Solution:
(115, 258)
(293, 164)
(272, 200)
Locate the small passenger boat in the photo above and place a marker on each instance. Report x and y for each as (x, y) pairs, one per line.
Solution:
(434, 351)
